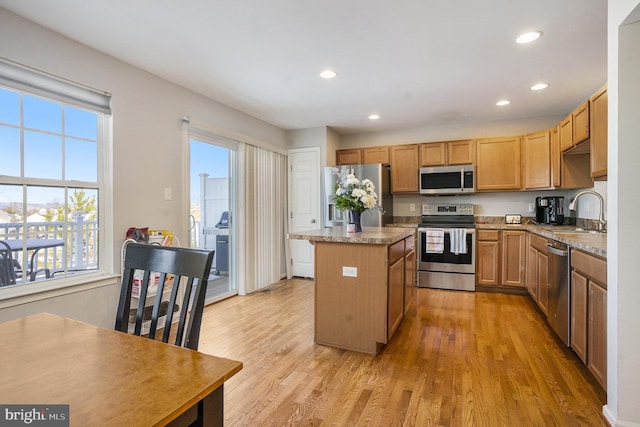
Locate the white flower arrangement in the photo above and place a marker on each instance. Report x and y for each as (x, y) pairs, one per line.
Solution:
(353, 194)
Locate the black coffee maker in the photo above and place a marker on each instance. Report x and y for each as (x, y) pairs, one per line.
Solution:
(550, 210)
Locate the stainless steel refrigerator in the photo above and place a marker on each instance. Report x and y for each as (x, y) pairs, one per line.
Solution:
(379, 174)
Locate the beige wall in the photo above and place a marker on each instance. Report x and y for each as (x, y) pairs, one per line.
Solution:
(148, 149)
(447, 132)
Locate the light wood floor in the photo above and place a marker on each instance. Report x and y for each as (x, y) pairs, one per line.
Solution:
(458, 359)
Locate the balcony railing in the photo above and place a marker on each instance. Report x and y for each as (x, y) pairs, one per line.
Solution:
(78, 253)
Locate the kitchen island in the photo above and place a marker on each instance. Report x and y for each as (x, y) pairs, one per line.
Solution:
(363, 282)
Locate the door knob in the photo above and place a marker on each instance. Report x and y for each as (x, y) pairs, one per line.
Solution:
(313, 221)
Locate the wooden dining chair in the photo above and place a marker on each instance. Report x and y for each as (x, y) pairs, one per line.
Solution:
(159, 284)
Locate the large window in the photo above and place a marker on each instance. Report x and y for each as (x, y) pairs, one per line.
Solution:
(51, 183)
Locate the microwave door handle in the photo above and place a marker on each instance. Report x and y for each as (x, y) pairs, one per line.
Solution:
(461, 179)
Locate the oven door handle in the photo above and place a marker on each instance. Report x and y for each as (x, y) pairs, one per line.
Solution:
(446, 229)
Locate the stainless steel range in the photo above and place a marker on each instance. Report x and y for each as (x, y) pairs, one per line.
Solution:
(446, 247)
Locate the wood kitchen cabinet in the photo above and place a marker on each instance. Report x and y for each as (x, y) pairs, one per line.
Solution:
(581, 123)
(598, 133)
(556, 158)
(349, 157)
(409, 272)
(375, 155)
(433, 154)
(579, 314)
(575, 127)
(513, 257)
(537, 160)
(447, 153)
(499, 164)
(589, 312)
(501, 258)
(405, 167)
(361, 310)
(566, 133)
(395, 300)
(461, 152)
(571, 169)
(488, 257)
(358, 156)
(537, 268)
(597, 333)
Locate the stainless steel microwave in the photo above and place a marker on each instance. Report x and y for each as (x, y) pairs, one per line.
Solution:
(447, 180)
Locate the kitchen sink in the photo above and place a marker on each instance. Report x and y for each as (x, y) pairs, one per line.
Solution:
(573, 231)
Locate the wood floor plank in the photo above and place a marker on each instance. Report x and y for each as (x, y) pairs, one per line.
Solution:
(457, 359)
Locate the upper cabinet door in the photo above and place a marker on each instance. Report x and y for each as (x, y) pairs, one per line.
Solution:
(556, 158)
(566, 133)
(599, 128)
(581, 123)
(461, 152)
(498, 164)
(375, 155)
(433, 154)
(349, 157)
(537, 160)
(405, 166)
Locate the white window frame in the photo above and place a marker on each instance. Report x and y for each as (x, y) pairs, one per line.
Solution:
(27, 81)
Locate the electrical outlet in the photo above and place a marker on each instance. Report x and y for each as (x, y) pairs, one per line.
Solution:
(350, 271)
(412, 207)
(532, 207)
(167, 193)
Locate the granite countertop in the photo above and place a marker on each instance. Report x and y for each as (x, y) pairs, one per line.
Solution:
(369, 235)
(404, 225)
(593, 243)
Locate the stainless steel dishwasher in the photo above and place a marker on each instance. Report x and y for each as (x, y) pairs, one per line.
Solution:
(559, 302)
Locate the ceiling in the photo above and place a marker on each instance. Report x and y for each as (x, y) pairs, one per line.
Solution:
(414, 62)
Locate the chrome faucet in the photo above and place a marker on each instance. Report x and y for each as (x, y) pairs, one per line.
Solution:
(602, 224)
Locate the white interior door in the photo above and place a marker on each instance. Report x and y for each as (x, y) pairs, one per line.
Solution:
(304, 206)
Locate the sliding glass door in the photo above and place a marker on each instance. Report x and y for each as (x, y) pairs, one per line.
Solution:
(212, 205)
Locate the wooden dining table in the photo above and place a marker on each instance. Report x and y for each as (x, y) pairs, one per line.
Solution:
(109, 378)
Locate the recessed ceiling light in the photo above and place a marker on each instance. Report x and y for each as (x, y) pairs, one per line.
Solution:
(374, 117)
(503, 102)
(540, 86)
(328, 74)
(529, 37)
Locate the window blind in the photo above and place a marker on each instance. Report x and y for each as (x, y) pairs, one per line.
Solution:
(264, 235)
(17, 76)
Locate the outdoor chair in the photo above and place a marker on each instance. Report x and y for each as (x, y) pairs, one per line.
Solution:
(162, 286)
(9, 267)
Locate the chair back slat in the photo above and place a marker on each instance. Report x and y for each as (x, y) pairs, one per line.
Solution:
(155, 313)
(153, 268)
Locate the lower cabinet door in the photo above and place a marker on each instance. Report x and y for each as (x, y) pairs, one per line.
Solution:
(543, 282)
(597, 339)
(395, 296)
(579, 298)
(409, 278)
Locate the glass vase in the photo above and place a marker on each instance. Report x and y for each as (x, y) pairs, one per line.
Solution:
(355, 219)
